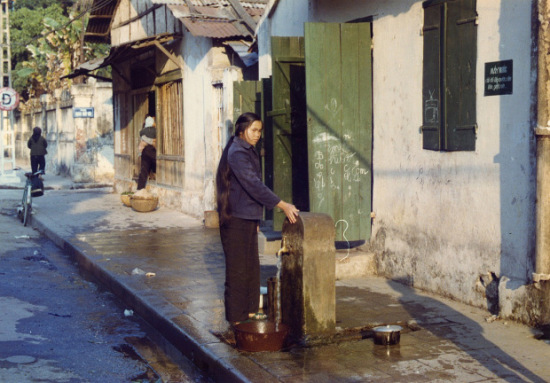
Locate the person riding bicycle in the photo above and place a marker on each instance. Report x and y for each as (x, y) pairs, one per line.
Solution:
(37, 144)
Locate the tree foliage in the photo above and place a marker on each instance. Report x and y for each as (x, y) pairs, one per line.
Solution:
(26, 27)
(36, 4)
(46, 41)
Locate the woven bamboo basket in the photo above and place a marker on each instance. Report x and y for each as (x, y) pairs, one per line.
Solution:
(144, 205)
(125, 198)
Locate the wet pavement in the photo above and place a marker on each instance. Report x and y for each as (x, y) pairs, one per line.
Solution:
(169, 269)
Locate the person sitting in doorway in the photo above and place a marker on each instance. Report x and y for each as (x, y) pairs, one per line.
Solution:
(148, 150)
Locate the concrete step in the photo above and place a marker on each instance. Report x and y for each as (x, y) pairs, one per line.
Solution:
(349, 264)
(10, 178)
(269, 242)
(355, 264)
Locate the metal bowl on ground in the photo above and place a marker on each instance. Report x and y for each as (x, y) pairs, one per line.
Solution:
(387, 335)
(257, 336)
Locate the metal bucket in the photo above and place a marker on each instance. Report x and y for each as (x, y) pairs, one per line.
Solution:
(260, 336)
(387, 335)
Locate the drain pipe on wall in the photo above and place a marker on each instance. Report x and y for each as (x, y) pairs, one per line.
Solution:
(542, 133)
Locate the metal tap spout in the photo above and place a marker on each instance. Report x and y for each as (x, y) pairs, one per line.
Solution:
(284, 250)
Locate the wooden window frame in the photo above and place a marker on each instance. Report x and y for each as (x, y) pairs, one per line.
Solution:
(170, 144)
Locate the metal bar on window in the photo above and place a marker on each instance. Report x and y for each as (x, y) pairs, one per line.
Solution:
(466, 21)
(466, 127)
(290, 59)
(430, 28)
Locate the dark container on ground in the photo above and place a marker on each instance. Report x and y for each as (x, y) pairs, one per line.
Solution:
(257, 336)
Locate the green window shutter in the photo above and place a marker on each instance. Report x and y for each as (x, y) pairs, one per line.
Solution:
(431, 87)
(460, 92)
(449, 94)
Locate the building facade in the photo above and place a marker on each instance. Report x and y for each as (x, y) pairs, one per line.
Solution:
(415, 124)
(453, 143)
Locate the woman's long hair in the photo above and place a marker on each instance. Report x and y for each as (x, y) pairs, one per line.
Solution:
(223, 175)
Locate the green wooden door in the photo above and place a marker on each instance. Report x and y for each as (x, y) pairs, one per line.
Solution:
(339, 108)
(255, 96)
(290, 176)
(246, 98)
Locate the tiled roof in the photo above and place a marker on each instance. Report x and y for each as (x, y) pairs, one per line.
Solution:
(101, 17)
(208, 18)
(216, 3)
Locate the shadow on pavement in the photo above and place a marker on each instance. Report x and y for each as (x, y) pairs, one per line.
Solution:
(465, 333)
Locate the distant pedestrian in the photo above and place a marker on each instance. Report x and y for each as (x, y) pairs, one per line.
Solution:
(148, 150)
(241, 194)
(38, 144)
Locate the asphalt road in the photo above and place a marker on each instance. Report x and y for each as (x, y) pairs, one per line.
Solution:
(56, 326)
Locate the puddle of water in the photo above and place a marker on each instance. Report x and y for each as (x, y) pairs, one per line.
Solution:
(164, 360)
(149, 375)
(16, 310)
(21, 359)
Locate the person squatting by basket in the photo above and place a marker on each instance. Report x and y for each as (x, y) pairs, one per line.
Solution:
(37, 144)
(148, 149)
(241, 194)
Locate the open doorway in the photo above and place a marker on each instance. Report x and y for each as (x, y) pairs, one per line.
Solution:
(144, 105)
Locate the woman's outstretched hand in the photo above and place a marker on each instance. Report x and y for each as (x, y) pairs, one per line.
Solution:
(289, 209)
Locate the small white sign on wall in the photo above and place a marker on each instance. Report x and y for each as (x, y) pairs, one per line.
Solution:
(83, 112)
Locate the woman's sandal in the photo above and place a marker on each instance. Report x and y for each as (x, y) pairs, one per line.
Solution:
(257, 316)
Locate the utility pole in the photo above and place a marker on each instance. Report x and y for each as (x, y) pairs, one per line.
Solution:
(8, 101)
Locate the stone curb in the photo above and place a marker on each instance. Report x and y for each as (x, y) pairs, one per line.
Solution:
(217, 367)
(75, 186)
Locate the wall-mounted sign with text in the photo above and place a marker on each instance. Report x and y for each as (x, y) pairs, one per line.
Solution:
(499, 78)
(83, 112)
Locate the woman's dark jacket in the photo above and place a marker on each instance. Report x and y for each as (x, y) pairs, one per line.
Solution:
(247, 193)
(38, 147)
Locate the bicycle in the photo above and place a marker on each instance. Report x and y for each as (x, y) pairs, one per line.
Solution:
(30, 190)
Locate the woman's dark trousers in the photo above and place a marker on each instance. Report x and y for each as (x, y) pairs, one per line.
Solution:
(148, 164)
(38, 163)
(242, 268)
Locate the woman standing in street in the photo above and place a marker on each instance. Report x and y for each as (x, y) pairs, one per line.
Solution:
(37, 144)
(241, 194)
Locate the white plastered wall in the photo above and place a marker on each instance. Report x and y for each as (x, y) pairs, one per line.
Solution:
(443, 219)
(196, 99)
